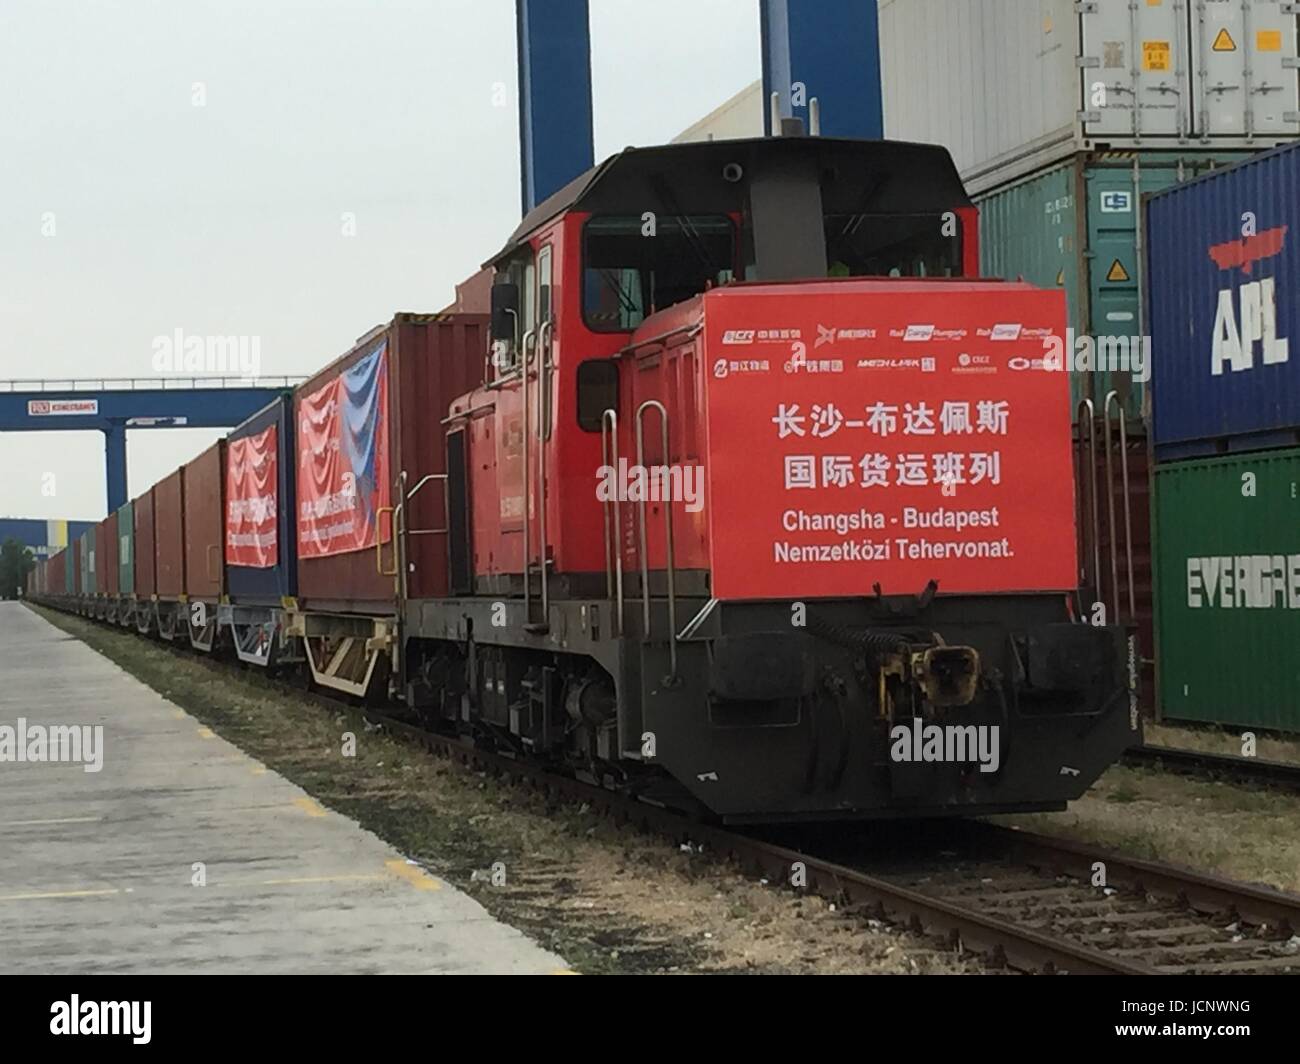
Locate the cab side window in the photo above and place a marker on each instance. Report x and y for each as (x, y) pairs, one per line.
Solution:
(520, 271)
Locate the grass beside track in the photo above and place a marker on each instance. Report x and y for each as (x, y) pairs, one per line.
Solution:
(1242, 832)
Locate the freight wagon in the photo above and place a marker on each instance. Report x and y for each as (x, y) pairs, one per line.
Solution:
(204, 533)
(146, 582)
(1228, 569)
(369, 437)
(170, 616)
(86, 599)
(260, 541)
(1224, 260)
(124, 528)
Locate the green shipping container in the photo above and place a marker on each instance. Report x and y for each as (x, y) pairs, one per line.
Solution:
(126, 550)
(1035, 229)
(1228, 590)
(88, 583)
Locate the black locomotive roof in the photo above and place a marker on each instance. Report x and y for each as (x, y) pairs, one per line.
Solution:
(858, 177)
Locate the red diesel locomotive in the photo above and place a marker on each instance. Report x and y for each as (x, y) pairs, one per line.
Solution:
(754, 482)
(735, 490)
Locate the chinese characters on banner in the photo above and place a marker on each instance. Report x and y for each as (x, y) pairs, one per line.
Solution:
(343, 478)
(904, 432)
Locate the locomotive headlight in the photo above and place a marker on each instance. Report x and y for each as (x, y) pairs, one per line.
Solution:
(733, 172)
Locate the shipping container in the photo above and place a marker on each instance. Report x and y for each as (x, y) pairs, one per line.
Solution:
(1075, 226)
(146, 585)
(1224, 308)
(169, 536)
(1011, 86)
(106, 555)
(427, 361)
(204, 510)
(261, 545)
(1228, 589)
(56, 578)
(72, 569)
(126, 550)
(87, 542)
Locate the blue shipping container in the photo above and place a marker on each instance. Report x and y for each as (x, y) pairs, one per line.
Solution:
(45, 538)
(245, 584)
(1223, 268)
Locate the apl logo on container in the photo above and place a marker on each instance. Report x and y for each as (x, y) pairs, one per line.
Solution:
(1235, 336)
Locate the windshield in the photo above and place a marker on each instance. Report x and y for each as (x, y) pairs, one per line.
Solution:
(892, 245)
(638, 264)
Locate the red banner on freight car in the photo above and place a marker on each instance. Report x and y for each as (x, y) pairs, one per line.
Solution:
(252, 503)
(343, 477)
(880, 435)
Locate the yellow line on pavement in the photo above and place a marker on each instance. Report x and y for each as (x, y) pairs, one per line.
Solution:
(57, 894)
(360, 876)
(309, 807)
(413, 874)
(58, 820)
(207, 733)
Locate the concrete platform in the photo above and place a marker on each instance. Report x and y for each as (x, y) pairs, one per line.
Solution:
(97, 868)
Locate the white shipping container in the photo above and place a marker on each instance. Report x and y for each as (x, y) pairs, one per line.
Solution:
(1012, 86)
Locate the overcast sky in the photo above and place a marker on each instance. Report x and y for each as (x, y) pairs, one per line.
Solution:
(127, 212)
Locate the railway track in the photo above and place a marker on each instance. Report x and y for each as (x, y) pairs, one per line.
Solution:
(1033, 909)
(1244, 770)
(1022, 901)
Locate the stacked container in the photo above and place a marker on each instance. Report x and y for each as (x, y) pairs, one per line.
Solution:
(1062, 117)
(1224, 308)
(1012, 87)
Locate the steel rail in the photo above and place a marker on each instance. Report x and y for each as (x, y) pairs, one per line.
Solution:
(1217, 766)
(1202, 891)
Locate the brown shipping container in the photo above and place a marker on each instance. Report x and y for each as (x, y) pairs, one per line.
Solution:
(432, 359)
(169, 536)
(204, 510)
(74, 559)
(106, 554)
(55, 583)
(145, 565)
